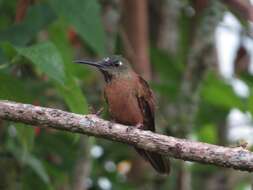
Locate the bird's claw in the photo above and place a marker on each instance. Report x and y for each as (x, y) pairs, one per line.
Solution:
(139, 126)
(98, 113)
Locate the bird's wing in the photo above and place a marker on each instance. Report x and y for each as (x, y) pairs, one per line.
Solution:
(146, 103)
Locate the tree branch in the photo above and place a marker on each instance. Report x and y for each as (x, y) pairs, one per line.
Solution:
(237, 158)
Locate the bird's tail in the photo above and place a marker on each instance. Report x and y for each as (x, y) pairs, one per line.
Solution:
(159, 163)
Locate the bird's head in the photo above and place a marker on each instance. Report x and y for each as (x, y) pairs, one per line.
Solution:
(112, 67)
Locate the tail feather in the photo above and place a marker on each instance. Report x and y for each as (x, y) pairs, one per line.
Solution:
(158, 162)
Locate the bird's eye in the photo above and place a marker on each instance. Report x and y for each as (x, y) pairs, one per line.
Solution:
(118, 63)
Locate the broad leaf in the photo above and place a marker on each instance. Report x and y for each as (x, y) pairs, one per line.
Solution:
(71, 92)
(84, 16)
(208, 133)
(218, 93)
(47, 58)
(73, 96)
(29, 160)
(38, 17)
(170, 72)
(25, 136)
(14, 89)
(37, 166)
(250, 102)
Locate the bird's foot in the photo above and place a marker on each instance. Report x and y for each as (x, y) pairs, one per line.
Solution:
(139, 126)
(242, 143)
(97, 113)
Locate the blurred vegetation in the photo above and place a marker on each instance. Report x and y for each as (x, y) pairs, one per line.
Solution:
(39, 40)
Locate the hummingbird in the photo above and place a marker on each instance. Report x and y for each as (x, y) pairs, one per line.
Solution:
(130, 101)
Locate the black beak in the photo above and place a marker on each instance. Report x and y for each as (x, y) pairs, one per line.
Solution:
(102, 65)
(99, 65)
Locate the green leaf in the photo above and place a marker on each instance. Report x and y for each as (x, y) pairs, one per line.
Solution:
(184, 34)
(218, 93)
(206, 114)
(166, 64)
(38, 17)
(2, 57)
(170, 72)
(14, 89)
(30, 160)
(71, 92)
(25, 136)
(37, 167)
(85, 17)
(47, 58)
(250, 102)
(243, 184)
(58, 35)
(8, 50)
(208, 133)
(166, 88)
(73, 96)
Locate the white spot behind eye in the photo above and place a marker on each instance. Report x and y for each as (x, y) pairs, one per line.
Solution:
(107, 59)
(120, 63)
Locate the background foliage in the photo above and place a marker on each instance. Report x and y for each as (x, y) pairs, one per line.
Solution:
(38, 42)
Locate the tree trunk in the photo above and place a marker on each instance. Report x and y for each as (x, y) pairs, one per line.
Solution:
(135, 19)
